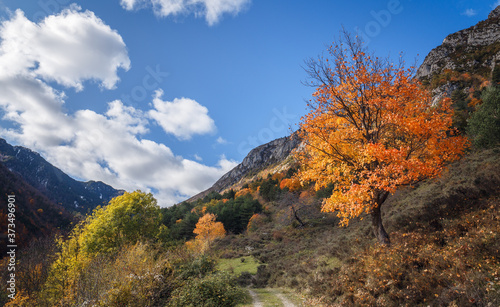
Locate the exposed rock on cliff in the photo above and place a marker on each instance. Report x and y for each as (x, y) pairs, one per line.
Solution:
(273, 152)
(476, 49)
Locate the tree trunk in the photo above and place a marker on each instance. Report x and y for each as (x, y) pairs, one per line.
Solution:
(297, 217)
(378, 227)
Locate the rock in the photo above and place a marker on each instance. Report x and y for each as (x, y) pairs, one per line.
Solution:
(495, 13)
(457, 48)
(259, 158)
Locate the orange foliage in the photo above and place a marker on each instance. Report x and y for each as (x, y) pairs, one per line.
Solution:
(242, 192)
(484, 84)
(306, 194)
(277, 176)
(293, 184)
(371, 129)
(255, 222)
(207, 230)
(475, 102)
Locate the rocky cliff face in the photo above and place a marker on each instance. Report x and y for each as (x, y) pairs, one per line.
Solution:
(475, 49)
(73, 195)
(273, 152)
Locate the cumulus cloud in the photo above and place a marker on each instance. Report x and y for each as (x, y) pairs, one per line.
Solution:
(112, 146)
(212, 10)
(67, 48)
(182, 117)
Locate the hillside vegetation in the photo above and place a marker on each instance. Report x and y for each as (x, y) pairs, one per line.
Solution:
(305, 224)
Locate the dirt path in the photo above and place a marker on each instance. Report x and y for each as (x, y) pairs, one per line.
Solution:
(269, 298)
(284, 300)
(255, 298)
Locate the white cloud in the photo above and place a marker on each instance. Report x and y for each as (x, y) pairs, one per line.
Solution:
(212, 10)
(68, 48)
(110, 147)
(497, 3)
(221, 140)
(469, 12)
(182, 117)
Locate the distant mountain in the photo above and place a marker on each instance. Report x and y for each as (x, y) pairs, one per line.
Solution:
(272, 153)
(35, 214)
(52, 182)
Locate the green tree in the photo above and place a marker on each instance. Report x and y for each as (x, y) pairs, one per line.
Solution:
(128, 219)
(484, 124)
(495, 78)
(461, 109)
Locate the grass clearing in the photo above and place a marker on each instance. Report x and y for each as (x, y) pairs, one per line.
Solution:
(237, 266)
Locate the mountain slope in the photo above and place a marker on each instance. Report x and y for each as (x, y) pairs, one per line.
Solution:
(465, 61)
(259, 158)
(35, 214)
(52, 182)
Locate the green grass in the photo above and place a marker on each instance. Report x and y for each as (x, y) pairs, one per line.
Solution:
(268, 297)
(292, 296)
(237, 266)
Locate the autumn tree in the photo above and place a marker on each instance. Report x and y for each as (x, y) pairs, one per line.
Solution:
(126, 220)
(207, 230)
(371, 128)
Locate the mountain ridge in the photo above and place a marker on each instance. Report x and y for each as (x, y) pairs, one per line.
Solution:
(452, 53)
(73, 195)
(260, 157)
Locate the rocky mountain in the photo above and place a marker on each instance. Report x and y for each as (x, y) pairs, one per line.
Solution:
(474, 49)
(259, 158)
(52, 182)
(465, 59)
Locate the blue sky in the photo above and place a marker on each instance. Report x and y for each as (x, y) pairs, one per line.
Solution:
(168, 95)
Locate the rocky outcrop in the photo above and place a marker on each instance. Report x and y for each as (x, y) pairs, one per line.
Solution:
(495, 13)
(273, 152)
(474, 49)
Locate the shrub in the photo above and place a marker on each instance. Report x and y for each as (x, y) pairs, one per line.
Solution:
(198, 267)
(484, 124)
(215, 290)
